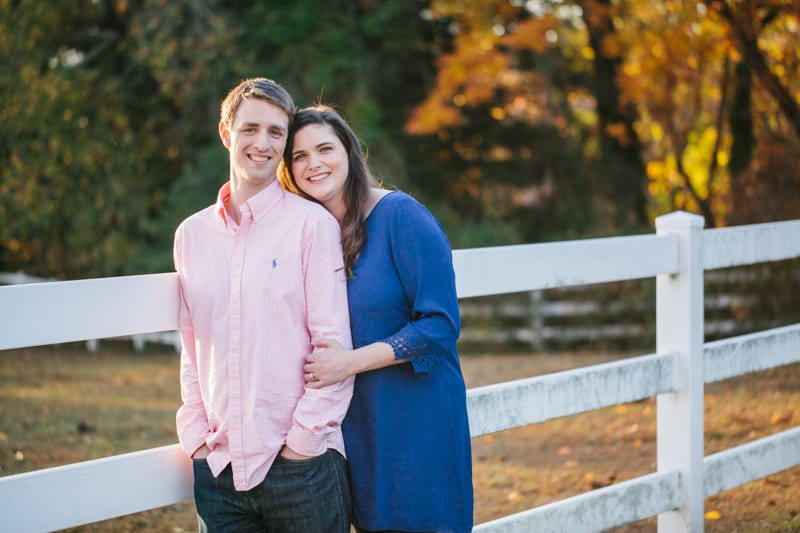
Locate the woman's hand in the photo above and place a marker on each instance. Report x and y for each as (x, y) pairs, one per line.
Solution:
(329, 365)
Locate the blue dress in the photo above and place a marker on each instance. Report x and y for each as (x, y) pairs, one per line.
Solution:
(406, 432)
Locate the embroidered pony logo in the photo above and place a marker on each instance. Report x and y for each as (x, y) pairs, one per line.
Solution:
(274, 263)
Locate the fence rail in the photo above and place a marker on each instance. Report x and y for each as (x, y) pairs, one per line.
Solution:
(71, 495)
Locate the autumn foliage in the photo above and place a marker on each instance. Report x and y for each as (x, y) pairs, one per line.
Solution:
(702, 96)
(516, 121)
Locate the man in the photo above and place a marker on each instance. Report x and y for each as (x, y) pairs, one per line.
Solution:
(261, 279)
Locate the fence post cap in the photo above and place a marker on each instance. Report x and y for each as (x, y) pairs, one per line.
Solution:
(680, 219)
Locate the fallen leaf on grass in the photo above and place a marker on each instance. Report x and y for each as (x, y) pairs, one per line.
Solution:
(781, 418)
(514, 496)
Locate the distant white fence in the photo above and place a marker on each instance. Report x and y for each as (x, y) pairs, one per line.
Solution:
(676, 256)
(613, 317)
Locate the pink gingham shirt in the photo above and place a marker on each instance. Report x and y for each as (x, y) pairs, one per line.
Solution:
(254, 296)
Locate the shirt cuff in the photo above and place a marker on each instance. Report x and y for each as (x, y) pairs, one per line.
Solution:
(191, 441)
(306, 442)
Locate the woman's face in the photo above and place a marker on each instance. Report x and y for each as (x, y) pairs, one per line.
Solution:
(320, 165)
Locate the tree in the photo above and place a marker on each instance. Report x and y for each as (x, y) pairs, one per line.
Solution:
(620, 152)
(703, 122)
(513, 120)
(658, 94)
(86, 157)
(503, 125)
(540, 66)
(764, 175)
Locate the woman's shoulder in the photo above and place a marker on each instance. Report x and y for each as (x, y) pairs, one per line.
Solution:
(407, 216)
(400, 203)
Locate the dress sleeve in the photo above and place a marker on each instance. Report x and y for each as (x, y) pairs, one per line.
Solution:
(424, 262)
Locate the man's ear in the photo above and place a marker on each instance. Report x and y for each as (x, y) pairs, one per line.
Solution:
(225, 134)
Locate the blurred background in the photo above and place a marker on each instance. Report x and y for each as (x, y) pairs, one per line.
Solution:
(514, 121)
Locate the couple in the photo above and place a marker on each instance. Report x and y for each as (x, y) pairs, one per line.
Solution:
(274, 277)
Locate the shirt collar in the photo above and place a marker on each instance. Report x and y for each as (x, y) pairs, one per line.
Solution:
(259, 204)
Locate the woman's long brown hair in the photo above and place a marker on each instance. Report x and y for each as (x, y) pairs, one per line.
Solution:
(357, 185)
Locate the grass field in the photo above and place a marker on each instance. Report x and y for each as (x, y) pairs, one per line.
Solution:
(62, 404)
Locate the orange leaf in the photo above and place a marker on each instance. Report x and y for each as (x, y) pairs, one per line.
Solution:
(781, 418)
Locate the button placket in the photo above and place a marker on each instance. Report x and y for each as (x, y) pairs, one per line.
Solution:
(235, 408)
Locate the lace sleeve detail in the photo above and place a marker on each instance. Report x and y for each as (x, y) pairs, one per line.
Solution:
(410, 344)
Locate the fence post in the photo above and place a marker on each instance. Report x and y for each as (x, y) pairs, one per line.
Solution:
(536, 321)
(679, 331)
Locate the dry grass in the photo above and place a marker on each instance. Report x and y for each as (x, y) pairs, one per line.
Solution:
(534, 465)
(60, 405)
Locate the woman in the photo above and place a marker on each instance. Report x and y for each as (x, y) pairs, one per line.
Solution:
(406, 432)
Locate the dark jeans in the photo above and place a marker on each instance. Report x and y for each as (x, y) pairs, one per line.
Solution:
(359, 530)
(296, 497)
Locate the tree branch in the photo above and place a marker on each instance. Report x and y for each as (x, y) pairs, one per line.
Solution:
(771, 82)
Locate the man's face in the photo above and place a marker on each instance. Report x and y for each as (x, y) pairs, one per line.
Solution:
(255, 140)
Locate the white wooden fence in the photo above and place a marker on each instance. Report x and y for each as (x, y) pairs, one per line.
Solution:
(676, 256)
